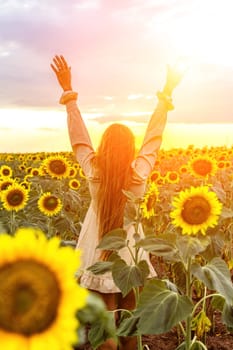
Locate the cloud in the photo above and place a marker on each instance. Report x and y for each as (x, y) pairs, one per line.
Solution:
(115, 48)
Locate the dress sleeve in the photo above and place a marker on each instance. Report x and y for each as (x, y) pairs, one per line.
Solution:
(79, 137)
(147, 155)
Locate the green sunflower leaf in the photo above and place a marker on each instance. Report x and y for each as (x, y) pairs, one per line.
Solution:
(159, 309)
(100, 267)
(216, 276)
(191, 246)
(128, 276)
(113, 240)
(163, 245)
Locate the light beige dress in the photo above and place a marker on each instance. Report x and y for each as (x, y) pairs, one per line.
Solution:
(141, 166)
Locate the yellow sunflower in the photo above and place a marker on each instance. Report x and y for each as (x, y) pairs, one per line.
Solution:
(28, 170)
(9, 158)
(221, 164)
(49, 204)
(26, 185)
(202, 166)
(22, 167)
(5, 171)
(74, 184)
(73, 171)
(149, 202)
(154, 176)
(21, 157)
(56, 166)
(4, 184)
(196, 209)
(172, 177)
(39, 295)
(15, 197)
(35, 172)
(183, 169)
(160, 181)
(81, 173)
(228, 164)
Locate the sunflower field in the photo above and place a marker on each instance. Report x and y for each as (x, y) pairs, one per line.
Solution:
(43, 190)
(186, 213)
(49, 191)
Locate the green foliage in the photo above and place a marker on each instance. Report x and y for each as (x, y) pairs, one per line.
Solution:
(191, 261)
(159, 309)
(114, 240)
(126, 277)
(67, 223)
(216, 276)
(162, 305)
(101, 322)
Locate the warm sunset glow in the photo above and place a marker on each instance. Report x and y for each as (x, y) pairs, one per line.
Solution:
(201, 35)
(118, 52)
(28, 119)
(34, 131)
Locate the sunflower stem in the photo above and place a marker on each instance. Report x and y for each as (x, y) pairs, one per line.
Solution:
(12, 222)
(50, 227)
(136, 289)
(189, 295)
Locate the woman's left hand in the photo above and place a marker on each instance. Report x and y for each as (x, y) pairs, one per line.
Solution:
(62, 71)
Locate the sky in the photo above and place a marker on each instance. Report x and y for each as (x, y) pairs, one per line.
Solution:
(118, 51)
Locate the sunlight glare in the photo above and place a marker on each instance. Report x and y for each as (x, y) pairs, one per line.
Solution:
(27, 119)
(205, 33)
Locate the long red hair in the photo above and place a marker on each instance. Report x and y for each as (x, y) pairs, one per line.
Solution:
(113, 161)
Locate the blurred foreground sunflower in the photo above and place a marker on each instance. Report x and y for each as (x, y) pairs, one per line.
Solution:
(196, 209)
(39, 296)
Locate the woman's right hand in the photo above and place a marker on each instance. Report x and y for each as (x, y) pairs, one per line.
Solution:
(175, 74)
(62, 71)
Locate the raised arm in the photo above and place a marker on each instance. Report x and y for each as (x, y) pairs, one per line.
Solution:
(78, 133)
(147, 155)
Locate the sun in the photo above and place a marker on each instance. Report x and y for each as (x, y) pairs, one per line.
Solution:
(198, 30)
(201, 33)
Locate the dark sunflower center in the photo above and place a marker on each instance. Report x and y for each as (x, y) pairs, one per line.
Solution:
(50, 203)
(154, 177)
(5, 185)
(15, 197)
(202, 167)
(196, 210)
(75, 184)
(57, 167)
(221, 164)
(173, 176)
(6, 172)
(29, 299)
